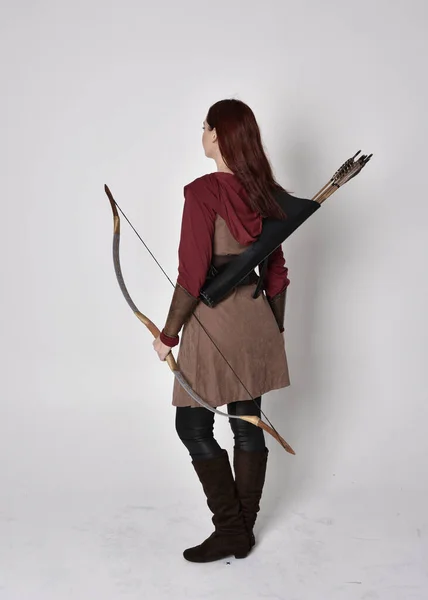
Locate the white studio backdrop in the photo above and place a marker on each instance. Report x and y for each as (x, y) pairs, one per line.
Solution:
(98, 497)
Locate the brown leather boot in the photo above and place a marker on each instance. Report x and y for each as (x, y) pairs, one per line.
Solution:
(250, 472)
(230, 536)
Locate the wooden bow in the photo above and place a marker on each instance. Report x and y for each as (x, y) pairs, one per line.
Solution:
(170, 360)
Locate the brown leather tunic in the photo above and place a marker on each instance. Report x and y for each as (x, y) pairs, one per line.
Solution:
(247, 334)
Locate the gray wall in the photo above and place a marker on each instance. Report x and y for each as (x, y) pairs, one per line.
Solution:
(98, 497)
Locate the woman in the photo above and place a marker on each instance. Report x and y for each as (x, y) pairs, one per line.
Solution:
(222, 216)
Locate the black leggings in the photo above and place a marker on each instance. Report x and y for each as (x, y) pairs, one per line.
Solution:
(195, 429)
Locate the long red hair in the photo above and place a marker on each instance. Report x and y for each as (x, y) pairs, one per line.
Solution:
(242, 150)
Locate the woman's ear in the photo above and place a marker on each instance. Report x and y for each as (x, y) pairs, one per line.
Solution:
(214, 135)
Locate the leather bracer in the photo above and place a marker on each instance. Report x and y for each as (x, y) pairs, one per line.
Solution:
(182, 306)
(277, 304)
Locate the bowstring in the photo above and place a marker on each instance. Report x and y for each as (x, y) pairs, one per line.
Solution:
(197, 319)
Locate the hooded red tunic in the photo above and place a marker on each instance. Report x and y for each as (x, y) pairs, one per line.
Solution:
(222, 194)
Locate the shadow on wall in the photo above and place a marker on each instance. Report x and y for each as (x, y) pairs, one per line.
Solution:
(297, 412)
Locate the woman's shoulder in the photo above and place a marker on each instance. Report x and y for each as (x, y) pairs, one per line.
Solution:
(207, 182)
(204, 190)
(213, 184)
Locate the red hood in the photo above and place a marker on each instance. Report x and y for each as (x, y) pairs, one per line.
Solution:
(226, 195)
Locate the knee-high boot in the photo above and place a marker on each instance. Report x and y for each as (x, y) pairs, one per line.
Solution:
(250, 472)
(230, 536)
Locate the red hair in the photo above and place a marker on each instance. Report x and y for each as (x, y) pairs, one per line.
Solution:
(242, 150)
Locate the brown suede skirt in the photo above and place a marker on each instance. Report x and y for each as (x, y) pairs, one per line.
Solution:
(246, 332)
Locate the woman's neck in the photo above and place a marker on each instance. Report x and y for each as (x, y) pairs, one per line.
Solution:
(221, 166)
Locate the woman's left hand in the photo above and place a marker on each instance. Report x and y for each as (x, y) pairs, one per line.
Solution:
(162, 349)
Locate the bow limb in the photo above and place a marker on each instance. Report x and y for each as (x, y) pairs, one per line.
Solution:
(154, 330)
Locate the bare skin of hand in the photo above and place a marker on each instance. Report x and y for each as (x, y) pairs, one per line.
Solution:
(161, 349)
